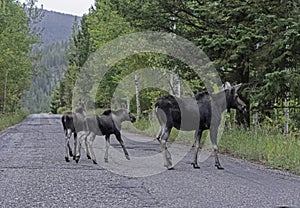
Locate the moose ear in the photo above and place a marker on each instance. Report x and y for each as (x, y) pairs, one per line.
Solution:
(226, 86)
(237, 87)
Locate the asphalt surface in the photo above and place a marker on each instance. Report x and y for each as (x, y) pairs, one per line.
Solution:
(33, 173)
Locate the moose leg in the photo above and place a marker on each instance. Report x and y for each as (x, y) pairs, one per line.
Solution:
(68, 134)
(90, 141)
(166, 154)
(77, 147)
(81, 139)
(85, 140)
(88, 153)
(198, 134)
(68, 143)
(107, 146)
(162, 119)
(119, 138)
(213, 138)
(159, 134)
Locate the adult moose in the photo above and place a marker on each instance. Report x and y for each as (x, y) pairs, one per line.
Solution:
(73, 123)
(199, 113)
(104, 125)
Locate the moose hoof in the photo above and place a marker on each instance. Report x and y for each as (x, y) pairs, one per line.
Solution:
(219, 167)
(169, 166)
(67, 159)
(71, 154)
(77, 159)
(127, 157)
(195, 166)
(106, 160)
(88, 157)
(95, 162)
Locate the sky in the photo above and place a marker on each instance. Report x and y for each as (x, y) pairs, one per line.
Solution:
(75, 7)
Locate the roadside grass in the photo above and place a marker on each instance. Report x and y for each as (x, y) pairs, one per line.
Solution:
(260, 145)
(264, 146)
(10, 119)
(144, 126)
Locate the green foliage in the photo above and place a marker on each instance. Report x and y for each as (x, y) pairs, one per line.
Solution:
(105, 24)
(253, 42)
(16, 41)
(61, 110)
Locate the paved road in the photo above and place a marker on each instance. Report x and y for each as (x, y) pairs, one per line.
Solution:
(33, 173)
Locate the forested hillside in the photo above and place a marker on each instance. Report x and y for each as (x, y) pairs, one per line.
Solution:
(52, 59)
(49, 68)
(57, 27)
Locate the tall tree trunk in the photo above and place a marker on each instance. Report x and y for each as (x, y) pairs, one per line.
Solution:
(128, 103)
(174, 83)
(286, 114)
(137, 93)
(171, 83)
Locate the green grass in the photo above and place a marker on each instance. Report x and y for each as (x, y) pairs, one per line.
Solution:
(260, 145)
(7, 120)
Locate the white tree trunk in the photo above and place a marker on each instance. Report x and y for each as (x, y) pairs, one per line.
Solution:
(286, 114)
(128, 103)
(174, 83)
(171, 83)
(137, 93)
(255, 119)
